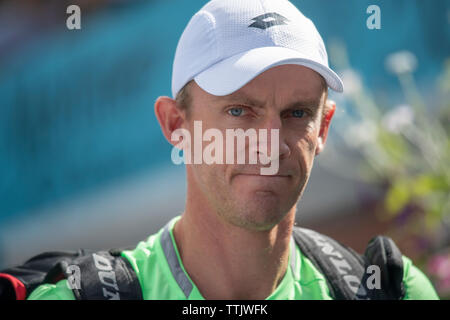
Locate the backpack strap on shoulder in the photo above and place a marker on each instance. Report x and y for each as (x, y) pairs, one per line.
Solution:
(16, 283)
(102, 275)
(347, 273)
(383, 252)
(342, 267)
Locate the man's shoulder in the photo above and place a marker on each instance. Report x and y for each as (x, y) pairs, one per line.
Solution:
(58, 291)
(149, 251)
(140, 257)
(144, 253)
(416, 284)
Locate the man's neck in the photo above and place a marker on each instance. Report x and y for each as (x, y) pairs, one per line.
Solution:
(229, 262)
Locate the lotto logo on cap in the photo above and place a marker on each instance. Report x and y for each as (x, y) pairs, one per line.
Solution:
(229, 42)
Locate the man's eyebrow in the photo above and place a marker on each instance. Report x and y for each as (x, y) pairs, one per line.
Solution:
(304, 103)
(242, 98)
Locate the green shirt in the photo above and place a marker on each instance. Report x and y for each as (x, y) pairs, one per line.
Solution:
(162, 275)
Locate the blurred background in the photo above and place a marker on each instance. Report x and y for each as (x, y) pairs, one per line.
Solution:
(83, 162)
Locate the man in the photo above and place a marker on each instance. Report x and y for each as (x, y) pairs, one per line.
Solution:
(254, 64)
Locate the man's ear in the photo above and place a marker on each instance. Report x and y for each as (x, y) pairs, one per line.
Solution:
(169, 116)
(330, 107)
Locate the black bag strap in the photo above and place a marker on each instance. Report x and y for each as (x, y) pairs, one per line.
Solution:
(383, 252)
(346, 271)
(101, 275)
(33, 272)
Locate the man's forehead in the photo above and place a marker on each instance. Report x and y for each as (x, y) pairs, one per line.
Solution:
(286, 84)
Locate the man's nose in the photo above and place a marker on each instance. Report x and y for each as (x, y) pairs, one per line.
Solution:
(275, 123)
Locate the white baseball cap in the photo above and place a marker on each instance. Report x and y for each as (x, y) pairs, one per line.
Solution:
(229, 42)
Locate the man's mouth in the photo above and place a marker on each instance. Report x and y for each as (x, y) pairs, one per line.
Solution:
(262, 180)
(264, 175)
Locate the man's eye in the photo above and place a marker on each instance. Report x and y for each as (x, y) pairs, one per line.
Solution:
(236, 112)
(298, 113)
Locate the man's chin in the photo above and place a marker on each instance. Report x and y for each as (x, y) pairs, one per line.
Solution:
(262, 212)
(259, 222)
(251, 183)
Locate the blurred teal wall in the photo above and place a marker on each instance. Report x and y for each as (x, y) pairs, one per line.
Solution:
(76, 107)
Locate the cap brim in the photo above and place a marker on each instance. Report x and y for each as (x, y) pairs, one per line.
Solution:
(231, 74)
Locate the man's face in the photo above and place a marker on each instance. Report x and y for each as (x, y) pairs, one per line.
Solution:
(289, 98)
